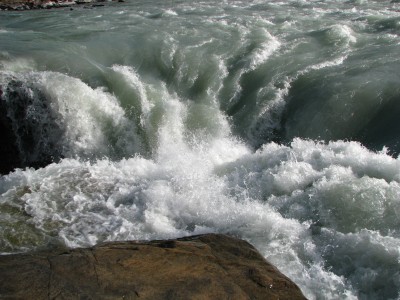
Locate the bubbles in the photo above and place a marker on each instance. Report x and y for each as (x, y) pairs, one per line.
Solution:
(368, 259)
(302, 205)
(340, 188)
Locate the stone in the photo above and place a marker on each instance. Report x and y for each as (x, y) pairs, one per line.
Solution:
(211, 266)
(8, 148)
(27, 139)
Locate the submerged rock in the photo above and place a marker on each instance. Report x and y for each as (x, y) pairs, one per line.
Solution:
(208, 266)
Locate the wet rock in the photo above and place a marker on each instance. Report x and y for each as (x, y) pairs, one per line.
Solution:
(8, 149)
(42, 4)
(28, 127)
(209, 266)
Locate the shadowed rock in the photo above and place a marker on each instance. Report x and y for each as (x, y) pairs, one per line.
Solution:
(200, 267)
(28, 126)
(8, 148)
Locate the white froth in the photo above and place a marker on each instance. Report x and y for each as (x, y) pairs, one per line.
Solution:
(170, 12)
(341, 34)
(297, 204)
(268, 47)
(332, 63)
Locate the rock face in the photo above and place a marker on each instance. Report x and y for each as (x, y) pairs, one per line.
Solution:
(200, 267)
(8, 147)
(29, 128)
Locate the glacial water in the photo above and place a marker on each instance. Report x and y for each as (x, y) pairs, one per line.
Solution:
(273, 121)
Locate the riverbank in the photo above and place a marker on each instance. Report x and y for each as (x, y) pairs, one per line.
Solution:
(18, 5)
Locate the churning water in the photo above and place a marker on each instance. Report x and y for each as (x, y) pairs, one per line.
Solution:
(274, 121)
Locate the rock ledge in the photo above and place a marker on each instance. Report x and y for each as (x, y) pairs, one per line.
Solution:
(211, 266)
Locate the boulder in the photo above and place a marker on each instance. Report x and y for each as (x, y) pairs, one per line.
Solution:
(211, 266)
(9, 153)
(29, 128)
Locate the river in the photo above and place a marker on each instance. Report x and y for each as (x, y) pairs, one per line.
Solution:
(273, 121)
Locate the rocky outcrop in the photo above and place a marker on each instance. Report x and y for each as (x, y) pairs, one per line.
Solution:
(8, 148)
(200, 267)
(28, 126)
(47, 4)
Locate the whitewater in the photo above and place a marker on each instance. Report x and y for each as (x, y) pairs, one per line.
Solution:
(272, 121)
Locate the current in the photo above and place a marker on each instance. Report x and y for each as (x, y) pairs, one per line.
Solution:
(273, 121)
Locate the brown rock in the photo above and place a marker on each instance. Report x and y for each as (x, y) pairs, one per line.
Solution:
(209, 266)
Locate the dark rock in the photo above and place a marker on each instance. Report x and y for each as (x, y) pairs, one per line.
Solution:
(41, 4)
(29, 128)
(8, 149)
(83, 1)
(200, 267)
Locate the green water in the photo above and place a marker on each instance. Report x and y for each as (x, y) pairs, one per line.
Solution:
(274, 121)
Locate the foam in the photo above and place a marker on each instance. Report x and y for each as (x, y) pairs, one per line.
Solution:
(297, 204)
(266, 49)
(146, 132)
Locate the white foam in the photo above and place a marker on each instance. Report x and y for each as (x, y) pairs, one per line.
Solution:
(341, 34)
(326, 64)
(297, 204)
(170, 12)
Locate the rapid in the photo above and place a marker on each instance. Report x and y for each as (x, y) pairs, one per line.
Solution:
(273, 121)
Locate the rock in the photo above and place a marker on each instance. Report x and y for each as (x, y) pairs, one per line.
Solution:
(42, 4)
(211, 266)
(83, 1)
(8, 148)
(28, 126)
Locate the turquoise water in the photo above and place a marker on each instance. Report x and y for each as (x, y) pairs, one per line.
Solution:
(274, 121)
